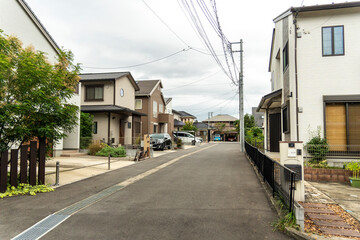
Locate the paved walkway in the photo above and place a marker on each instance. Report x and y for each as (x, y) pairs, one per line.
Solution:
(332, 209)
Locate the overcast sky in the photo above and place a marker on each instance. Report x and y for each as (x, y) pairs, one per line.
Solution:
(112, 35)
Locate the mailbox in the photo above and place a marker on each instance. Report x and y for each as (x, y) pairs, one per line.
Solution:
(297, 169)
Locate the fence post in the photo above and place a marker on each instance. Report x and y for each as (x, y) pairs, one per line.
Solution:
(23, 163)
(57, 173)
(32, 165)
(14, 168)
(109, 161)
(42, 153)
(3, 171)
(292, 180)
(273, 177)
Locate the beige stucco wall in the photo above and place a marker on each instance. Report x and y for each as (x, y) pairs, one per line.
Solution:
(128, 100)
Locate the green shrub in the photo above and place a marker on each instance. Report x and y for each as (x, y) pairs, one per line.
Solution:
(179, 143)
(85, 142)
(25, 189)
(113, 152)
(95, 147)
(354, 167)
(318, 148)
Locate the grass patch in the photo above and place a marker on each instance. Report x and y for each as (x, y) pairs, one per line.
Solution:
(286, 218)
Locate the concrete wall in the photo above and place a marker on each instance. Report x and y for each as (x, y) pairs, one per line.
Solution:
(15, 21)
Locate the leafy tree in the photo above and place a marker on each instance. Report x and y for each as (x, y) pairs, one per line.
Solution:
(33, 94)
(254, 134)
(237, 125)
(86, 129)
(249, 121)
(219, 127)
(189, 127)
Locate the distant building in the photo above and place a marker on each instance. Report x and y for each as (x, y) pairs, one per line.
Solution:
(258, 117)
(223, 124)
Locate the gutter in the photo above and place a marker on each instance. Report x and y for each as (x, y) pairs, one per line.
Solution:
(296, 78)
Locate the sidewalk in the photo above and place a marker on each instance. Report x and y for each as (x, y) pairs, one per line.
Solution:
(73, 169)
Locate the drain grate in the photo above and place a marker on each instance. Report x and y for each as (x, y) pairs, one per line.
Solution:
(41, 228)
(50, 222)
(88, 201)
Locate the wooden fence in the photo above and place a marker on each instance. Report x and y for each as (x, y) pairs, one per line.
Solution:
(29, 161)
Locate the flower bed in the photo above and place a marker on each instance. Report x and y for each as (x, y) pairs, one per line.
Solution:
(327, 175)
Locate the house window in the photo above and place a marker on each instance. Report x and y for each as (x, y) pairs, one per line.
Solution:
(343, 126)
(286, 57)
(95, 127)
(333, 41)
(155, 110)
(155, 128)
(94, 93)
(286, 119)
(138, 103)
(161, 108)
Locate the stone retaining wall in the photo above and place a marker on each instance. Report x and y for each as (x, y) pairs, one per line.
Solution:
(327, 175)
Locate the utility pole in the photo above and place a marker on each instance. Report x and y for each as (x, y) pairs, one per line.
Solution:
(241, 96)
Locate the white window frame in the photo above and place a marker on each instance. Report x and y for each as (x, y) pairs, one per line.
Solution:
(155, 109)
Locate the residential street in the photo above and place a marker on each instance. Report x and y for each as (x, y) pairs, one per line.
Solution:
(210, 194)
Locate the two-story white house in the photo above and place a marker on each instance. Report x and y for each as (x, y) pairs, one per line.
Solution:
(315, 77)
(17, 19)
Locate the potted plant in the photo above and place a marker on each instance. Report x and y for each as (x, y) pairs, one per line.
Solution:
(354, 167)
(179, 144)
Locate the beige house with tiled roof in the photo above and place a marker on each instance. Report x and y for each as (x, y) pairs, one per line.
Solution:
(223, 124)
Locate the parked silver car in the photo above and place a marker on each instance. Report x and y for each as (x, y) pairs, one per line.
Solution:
(187, 137)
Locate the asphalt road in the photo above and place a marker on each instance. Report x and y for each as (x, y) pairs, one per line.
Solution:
(210, 194)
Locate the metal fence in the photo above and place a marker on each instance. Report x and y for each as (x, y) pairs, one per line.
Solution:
(280, 178)
(320, 152)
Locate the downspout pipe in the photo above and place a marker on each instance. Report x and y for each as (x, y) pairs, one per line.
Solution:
(296, 78)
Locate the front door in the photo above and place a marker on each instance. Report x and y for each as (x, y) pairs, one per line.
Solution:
(275, 131)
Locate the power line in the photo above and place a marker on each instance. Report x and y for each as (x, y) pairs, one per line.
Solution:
(141, 64)
(202, 79)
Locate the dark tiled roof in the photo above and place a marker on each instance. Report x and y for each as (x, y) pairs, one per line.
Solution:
(176, 112)
(178, 123)
(102, 76)
(186, 114)
(201, 125)
(88, 77)
(326, 6)
(146, 87)
(110, 108)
